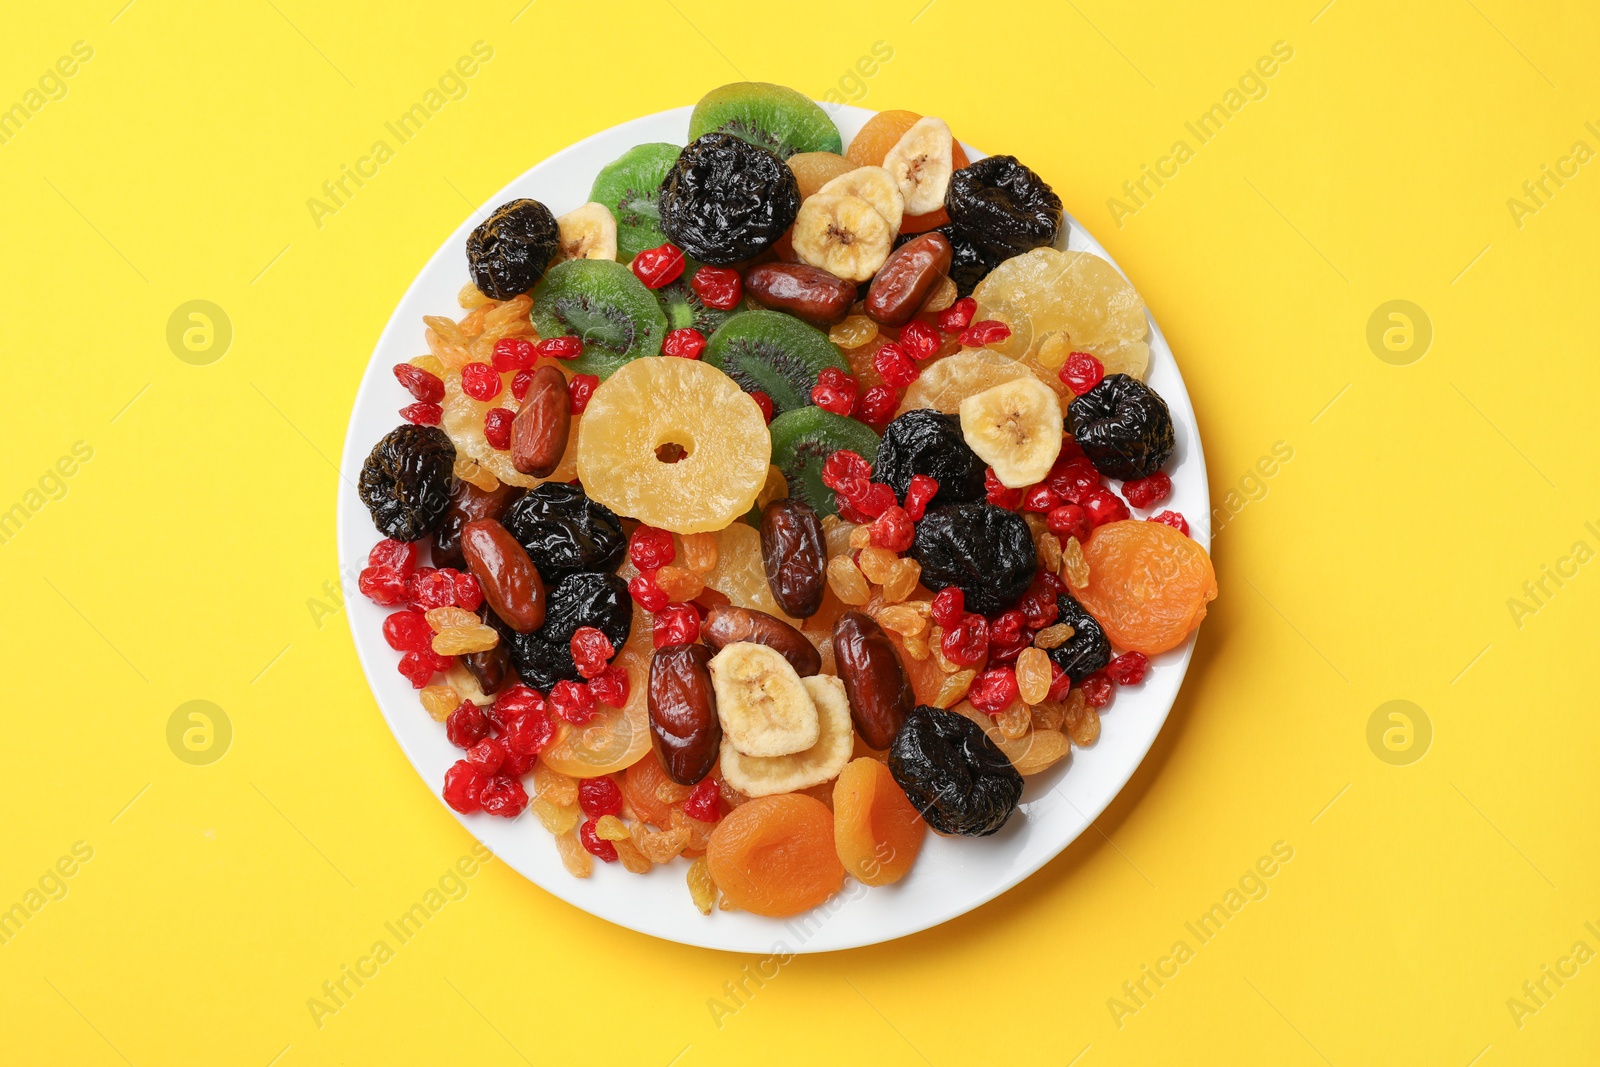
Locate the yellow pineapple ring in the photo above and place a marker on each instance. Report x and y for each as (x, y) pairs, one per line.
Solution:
(665, 400)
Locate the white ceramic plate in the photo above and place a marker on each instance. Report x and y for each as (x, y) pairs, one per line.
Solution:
(953, 875)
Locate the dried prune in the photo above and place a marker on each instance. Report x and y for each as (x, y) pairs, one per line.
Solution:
(984, 551)
(726, 200)
(1123, 427)
(1087, 650)
(405, 481)
(512, 249)
(544, 657)
(1002, 207)
(957, 778)
(566, 532)
(969, 264)
(923, 441)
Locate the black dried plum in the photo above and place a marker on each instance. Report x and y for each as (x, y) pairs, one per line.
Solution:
(985, 551)
(955, 775)
(511, 250)
(1087, 650)
(923, 441)
(1002, 207)
(968, 263)
(544, 657)
(405, 481)
(564, 531)
(726, 200)
(1123, 427)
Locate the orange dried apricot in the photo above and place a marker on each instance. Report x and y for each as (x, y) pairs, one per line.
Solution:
(775, 855)
(876, 830)
(881, 133)
(641, 788)
(1148, 584)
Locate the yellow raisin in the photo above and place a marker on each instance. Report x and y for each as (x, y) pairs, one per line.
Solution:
(1049, 715)
(574, 857)
(552, 785)
(954, 689)
(776, 487)
(1033, 675)
(670, 792)
(943, 295)
(1073, 565)
(469, 297)
(837, 533)
(878, 564)
(916, 648)
(611, 828)
(1015, 721)
(440, 701)
(905, 621)
(936, 648)
(460, 640)
(1082, 720)
(432, 364)
(680, 583)
(702, 890)
(1053, 352)
(700, 552)
(854, 331)
(903, 582)
(1036, 525)
(1053, 636)
(442, 619)
(554, 817)
(634, 861)
(665, 846)
(847, 581)
(1050, 552)
(860, 537)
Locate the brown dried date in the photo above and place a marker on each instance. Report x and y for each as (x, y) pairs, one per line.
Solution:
(907, 277)
(511, 583)
(684, 727)
(794, 553)
(467, 504)
(539, 432)
(726, 624)
(880, 696)
(490, 667)
(807, 293)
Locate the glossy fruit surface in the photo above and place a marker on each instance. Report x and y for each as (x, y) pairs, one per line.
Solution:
(876, 830)
(775, 856)
(1148, 584)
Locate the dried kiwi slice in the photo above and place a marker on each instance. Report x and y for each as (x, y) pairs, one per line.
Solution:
(600, 301)
(804, 438)
(774, 353)
(685, 309)
(630, 186)
(775, 117)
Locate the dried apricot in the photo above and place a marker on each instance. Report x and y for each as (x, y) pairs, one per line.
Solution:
(775, 855)
(641, 788)
(881, 133)
(876, 830)
(1148, 584)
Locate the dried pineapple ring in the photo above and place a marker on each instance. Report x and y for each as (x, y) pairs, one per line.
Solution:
(663, 400)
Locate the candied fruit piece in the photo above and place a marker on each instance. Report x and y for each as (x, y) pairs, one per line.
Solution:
(775, 856)
(877, 832)
(1148, 584)
(702, 890)
(439, 701)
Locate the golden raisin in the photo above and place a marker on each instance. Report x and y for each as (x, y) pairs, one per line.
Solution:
(574, 857)
(440, 701)
(611, 828)
(916, 648)
(1050, 552)
(553, 786)
(1082, 720)
(432, 364)
(903, 581)
(854, 331)
(554, 817)
(860, 537)
(1053, 636)
(878, 564)
(936, 647)
(1033, 675)
(458, 641)
(943, 295)
(441, 619)
(702, 890)
(902, 620)
(1049, 715)
(847, 581)
(1015, 721)
(954, 688)
(700, 552)
(632, 859)
(680, 583)
(1073, 565)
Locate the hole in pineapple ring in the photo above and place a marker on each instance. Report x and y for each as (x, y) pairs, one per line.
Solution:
(673, 452)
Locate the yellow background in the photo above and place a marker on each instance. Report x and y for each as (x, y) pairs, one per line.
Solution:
(181, 562)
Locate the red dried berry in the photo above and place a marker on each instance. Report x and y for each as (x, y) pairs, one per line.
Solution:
(1038, 605)
(842, 465)
(610, 686)
(650, 549)
(599, 796)
(594, 844)
(676, 624)
(949, 604)
(420, 414)
(467, 725)
(430, 588)
(487, 755)
(1145, 492)
(565, 347)
(497, 428)
(877, 405)
(957, 316)
(514, 353)
(591, 651)
(1060, 683)
(718, 287)
(521, 382)
(968, 643)
(764, 402)
(480, 381)
(1072, 478)
(1172, 519)
(1069, 520)
(1007, 626)
(892, 529)
(513, 704)
(423, 385)
(919, 339)
(836, 391)
(407, 631)
(504, 796)
(872, 502)
(921, 490)
(1039, 499)
(463, 787)
(993, 690)
(418, 668)
(572, 701)
(658, 266)
(704, 801)
(579, 390)
(399, 556)
(1103, 506)
(1081, 372)
(987, 332)
(469, 594)
(894, 366)
(1096, 689)
(1128, 668)
(646, 593)
(382, 585)
(685, 343)
(997, 493)
(528, 733)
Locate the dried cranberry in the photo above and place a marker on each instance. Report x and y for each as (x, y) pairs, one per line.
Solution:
(480, 381)
(497, 428)
(1172, 519)
(676, 624)
(610, 686)
(1081, 372)
(877, 405)
(921, 490)
(469, 594)
(420, 414)
(594, 844)
(685, 343)
(1097, 689)
(1006, 652)
(658, 266)
(1072, 478)
(514, 353)
(1069, 520)
(892, 529)
(564, 347)
(993, 690)
(1038, 605)
(1103, 506)
(504, 796)
(650, 549)
(467, 725)
(704, 801)
(949, 604)
(529, 733)
(579, 390)
(591, 651)
(521, 382)
(718, 287)
(487, 755)
(1039, 499)
(463, 787)
(1128, 668)
(573, 702)
(968, 643)
(836, 391)
(764, 402)
(1145, 492)
(997, 493)
(1007, 626)
(517, 764)
(987, 332)
(844, 464)
(407, 631)
(1060, 682)
(599, 796)
(873, 499)
(421, 384)
(513, 704)
(398, 556)
(894, 366)
(957, 316)
(919, 339)
(420, 667)
(646, 593)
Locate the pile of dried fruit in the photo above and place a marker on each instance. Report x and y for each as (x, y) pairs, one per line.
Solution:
(766, 506)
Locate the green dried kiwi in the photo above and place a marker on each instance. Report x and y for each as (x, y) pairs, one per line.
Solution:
(775, 117)
(629, 186)
(774, 353)
(684, 308)
(803, 439)
(603, 304)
